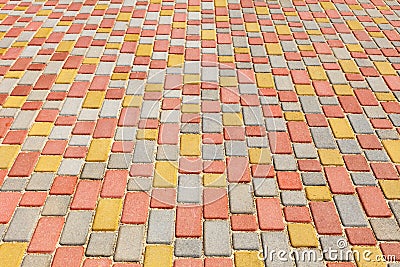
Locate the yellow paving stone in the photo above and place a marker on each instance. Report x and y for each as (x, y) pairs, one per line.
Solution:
(343, 89)
(294, 116)
(175, 60)
(221, 18)
(261, 10)
(304, 89)
(302, 235)
(65, 46)
(341, 128)
(377, 34)
(252, 27)
(41, 129)
(330, 157)
(260, 156)
(48, 163)
(165, 174)
(19, 44)
(208, 35)
(155, 1)
(66, 76)
(354, 48)
(228, 81)
(306, 48)
(193, 9)
(43, 32)
(385, 68)
(179, 25)
(226, 59)
(107, 214)
(11, 254)
(232, 119)
(191, 79)
(355, 7)
(354, 25)
(314, 32)
(248, 259)
(214, 179)
(64, 23)
(327, 5)
(190, 108)
(391, 188)
(120, 76)
(349, 66)
(99, 149)
(317, 73)
(132, 101)
(8, 154)
(318, 193)
(166, 12)
(368, 256)
(220, 3)
(101, 7)
(265, 80)
(154, 87)
(158, 255)
(2, 16)
(124, 16)
(282, 30)
(91, 60)
(144, 50)
(392, 147)
(385, 96)
(148, 134)
(14, 74)
(242, 50)
(273, 49)
(190, 145)
(290, 13)
(94, 99)
(14, 102)
(43, 13)
(131, 37)
(380, 20)
(113, 46)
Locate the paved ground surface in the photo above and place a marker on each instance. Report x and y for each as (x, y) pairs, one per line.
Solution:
(199, 133)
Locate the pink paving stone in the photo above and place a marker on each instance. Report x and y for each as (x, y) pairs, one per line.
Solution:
(169, 134)
(238, 169)
(270, 215)
(135, 208)
(326, 218)
(24, 164)
(86, 195)
(114, 184)
(190, 165)
(339, 180)
(9, 202)
(189, 221)
(68, 256)
(46, 235)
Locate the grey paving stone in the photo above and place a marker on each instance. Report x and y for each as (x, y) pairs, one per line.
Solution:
(275, 124)
(313, 178)
(193, 128)
(235, 148)
(349, 146)
(35, 260)
(253, 116)
(110, 108)
(308, 257)
(247, 88)
(217, 238)
(79, 140)
(188, 247)
(387, 134)
(22, 225)
(395, 207)
(56, 205)
(189, 189)
(350, 211)
(293, 198)
(14, 184)
(71, 106)
(323, 137)
(212, 152)
(265, 187)
(60, 132)
(34, 143)
(330, 243)
(24, 120)
(119, 161)
(310, 104)
(246, 241)
(70, 167)
(76, 228)
(161, 227)
(241, 198)
(275, 241)
(93, 170)
(139, 184)
(129, 243)
(305, 151)
(150, 109)
(144, 151)
(360, 124)
(211, 123)
(385, 229)
(257, 142)
(40, 182)
(101, 244)
(167, 152)
(376, 155)
(363, 178)
(375, 112)
(284, 163)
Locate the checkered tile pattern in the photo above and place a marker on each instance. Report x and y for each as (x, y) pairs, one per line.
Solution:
(199, 132)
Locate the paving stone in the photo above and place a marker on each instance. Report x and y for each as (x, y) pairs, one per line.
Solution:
(350, 211)
(56, 206)
(33, 260)
(76, 228)
(284, 163)
(313, 178)
(14, 184)
(139, 184)
(101, 244)
(305, 151)
(245, 241)
(336, 243)
(129, 244)
(235, 148)
(293, 198)
(217, 238)
(40, 182)
(212, 152)
(241, 198)
(265, 187)
(275, 241)
(167, 152)
(348, 146)
(189, 189)
(385, 229)
(188, 247)
(360, 124)
(119, 161)
(363, 178)
(93, 170)
(322, 137)
(161, 226)
(22, 225)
